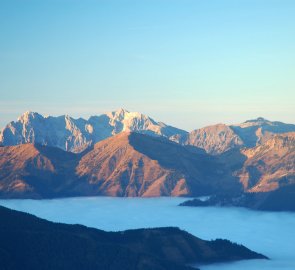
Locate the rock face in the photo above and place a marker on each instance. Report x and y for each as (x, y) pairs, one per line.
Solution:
(76, 135)
(257, 131)
(265, 167)
(128, 164)
(28, 242)
(214, 139)
(270, 165)
(220, 138)
(63, 132)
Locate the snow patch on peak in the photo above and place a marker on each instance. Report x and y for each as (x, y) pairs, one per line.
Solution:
(29, 115)
(75, 135)
(117, 114)
(89, 128)
(121, 111)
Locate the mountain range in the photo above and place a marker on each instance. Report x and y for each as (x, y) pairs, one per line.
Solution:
(128, 154)
(76, 135)
(127, 164)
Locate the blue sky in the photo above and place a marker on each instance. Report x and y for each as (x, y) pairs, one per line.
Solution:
(189, 63)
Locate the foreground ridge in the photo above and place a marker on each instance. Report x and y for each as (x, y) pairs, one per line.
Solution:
(29, 242)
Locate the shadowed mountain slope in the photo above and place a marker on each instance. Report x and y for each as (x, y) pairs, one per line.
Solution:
(132, 164)
(28, 242)
(267, 166)
(35, 171)
(267, 173)
(128, 164)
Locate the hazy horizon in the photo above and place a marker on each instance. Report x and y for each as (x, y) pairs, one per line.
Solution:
(86, 116)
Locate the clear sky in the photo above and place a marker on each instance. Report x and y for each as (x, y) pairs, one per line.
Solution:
(188, 63)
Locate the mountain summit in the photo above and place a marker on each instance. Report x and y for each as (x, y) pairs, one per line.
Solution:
(219, 138)
(133, 164)
(76, 135)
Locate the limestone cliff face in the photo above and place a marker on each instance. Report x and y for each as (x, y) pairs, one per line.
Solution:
(256, 131)
(214, 139)
(76, 135)
(269, 165)
(217, 139)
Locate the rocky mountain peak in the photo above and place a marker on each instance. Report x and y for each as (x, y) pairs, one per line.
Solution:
(258, 122)
(29, 116)
(258, 119)
(214, 139)
(76, 135)
(118, 114)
